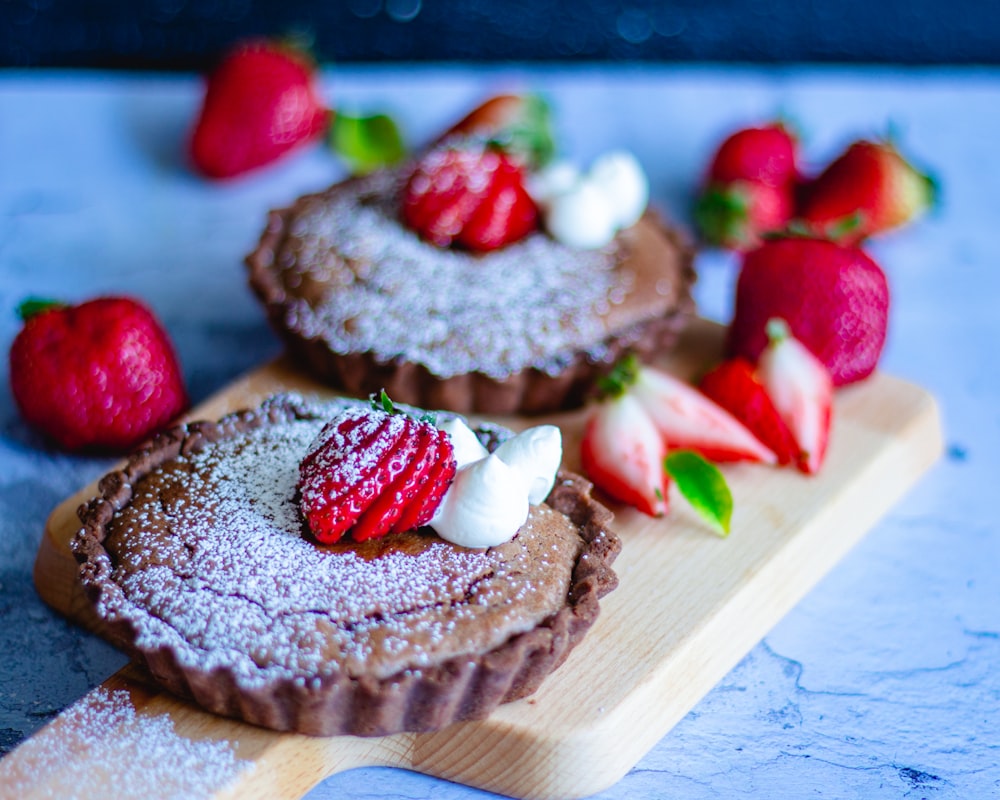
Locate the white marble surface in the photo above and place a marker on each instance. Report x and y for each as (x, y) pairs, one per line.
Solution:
(882, 683)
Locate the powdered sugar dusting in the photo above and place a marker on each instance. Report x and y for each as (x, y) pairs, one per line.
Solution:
(211, 562)
(103, 741)
(530, 304)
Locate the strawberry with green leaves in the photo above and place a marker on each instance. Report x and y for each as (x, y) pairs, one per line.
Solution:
(686, 418)
(750, 187)
(518, 124)
(101, 375)
(867, 190)
(650, 429)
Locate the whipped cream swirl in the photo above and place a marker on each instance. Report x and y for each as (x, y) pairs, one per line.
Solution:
(489, 498)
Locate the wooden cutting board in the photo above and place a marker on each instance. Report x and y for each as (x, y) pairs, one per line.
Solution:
(688, 607)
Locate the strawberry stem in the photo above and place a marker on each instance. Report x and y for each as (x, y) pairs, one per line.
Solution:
(33, 306)
(622, 375)
(382, 402)
(777, 330)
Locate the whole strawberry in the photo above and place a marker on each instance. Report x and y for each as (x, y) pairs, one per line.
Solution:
(867, 190)
(768, 155)
(99, 376)
(261, 102)
(750, 187)
(470, 195)
(834, 297)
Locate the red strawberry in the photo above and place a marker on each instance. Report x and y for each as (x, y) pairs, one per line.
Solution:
(101, 375)
(749, 188)
(372, 473)
(869, 189)
(517, 123)
(834, 298)
(687, 419)
(737, 214)
(765, 155)
(734, 385)
(802, 391)
(261, 102)
(472, 196)
(623, 454)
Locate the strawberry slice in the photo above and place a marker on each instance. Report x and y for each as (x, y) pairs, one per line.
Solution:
(371, 473)
(802, 391)
(688, 419)
(623, 454)
(470, 195)
(734, 385)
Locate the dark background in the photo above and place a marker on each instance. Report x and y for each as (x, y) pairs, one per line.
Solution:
(188, 35)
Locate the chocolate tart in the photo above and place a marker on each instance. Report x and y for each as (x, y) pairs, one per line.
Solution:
(195, 558)
(362, 303)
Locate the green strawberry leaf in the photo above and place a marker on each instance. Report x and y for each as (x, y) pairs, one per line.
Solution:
(530, 135)
(32, 306)
(366, 143)
(622, 375)
(382, 402)
(703, 486)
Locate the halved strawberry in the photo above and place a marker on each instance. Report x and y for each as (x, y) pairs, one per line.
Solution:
(371, 472)
(734, 385)
(686, 418)
(470, 195)
(802, 392)
(623, 454)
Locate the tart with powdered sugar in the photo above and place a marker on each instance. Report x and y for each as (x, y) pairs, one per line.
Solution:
(196, 558)
(373, 284)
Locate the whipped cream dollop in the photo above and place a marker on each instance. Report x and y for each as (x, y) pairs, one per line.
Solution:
(587, 209)
(489, 498)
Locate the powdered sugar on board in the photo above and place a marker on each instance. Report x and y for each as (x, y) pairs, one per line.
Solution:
(103, 741)
(534, 303)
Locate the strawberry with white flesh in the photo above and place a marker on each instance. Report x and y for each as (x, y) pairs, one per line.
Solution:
(801, 389)
(623, 454)
(686, 418)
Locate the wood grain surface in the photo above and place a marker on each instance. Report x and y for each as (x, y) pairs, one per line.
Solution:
(688, 607)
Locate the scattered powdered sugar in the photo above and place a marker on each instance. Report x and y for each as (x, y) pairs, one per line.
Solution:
(533, 303)
(103, 746)
(211, 563)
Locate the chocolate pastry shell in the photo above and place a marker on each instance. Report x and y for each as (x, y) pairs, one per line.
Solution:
(464, 687)
(529, 391)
